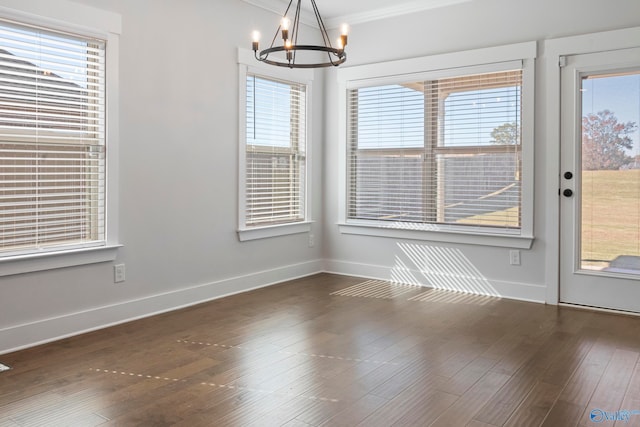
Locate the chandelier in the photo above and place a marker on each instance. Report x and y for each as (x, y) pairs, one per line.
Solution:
(289, 30)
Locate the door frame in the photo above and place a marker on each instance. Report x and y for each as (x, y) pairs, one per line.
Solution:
(549, 114)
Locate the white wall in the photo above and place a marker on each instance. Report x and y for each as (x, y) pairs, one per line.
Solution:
(178, 163)
(466, 26)
(178, 179)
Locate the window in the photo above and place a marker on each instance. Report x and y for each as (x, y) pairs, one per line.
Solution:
(52, 141)
(275, 152)
(274, 149)
(443, 151)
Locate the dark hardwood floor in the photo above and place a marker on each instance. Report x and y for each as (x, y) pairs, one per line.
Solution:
(374, 355)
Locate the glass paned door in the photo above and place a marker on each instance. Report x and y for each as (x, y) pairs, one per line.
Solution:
(610, 158)
(600, 180)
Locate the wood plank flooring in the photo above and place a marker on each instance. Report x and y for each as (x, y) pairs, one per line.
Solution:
(309, 353)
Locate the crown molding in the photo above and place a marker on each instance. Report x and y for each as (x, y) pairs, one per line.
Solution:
(278, 7)
(332, 22)
(398, 9)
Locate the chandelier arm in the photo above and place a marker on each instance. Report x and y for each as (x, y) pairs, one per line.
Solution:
(323, 29)
(335, 64)
(325, 35)
(275, 36)
(296, 22)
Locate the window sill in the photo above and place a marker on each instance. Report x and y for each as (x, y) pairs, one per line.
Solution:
(273, 231)
(437, 234)
(51, 260)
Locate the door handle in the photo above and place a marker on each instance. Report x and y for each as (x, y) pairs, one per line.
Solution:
(567, 192)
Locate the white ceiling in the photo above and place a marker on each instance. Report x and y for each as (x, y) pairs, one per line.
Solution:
(335, 12)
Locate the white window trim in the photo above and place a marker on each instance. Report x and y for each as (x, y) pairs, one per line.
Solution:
(248, 64)
(466, 61)
(66, 16)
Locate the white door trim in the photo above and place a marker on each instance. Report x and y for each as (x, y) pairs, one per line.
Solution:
(548, 110)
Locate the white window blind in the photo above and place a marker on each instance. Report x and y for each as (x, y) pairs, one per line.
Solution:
(445, 151)
(275, 157)
(52, 140)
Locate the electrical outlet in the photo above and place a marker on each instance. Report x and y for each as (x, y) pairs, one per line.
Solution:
(514, 257)
(118, 273)
(312, 241)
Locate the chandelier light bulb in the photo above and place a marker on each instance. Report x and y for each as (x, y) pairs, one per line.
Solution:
(284, 24)
(344, 34)
(256, 40)
(287, 47)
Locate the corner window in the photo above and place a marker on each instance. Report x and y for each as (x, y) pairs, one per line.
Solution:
(52, 141)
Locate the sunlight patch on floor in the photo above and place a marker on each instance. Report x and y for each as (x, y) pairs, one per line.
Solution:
(376, 289)
(453, 297)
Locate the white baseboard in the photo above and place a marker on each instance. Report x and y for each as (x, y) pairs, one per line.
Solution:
(453, 281)
(43, 331)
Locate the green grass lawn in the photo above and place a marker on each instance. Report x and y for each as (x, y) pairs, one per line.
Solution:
(610, 214)
(504, 218)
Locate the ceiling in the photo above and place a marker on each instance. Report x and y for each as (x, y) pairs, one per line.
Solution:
(335, 12)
